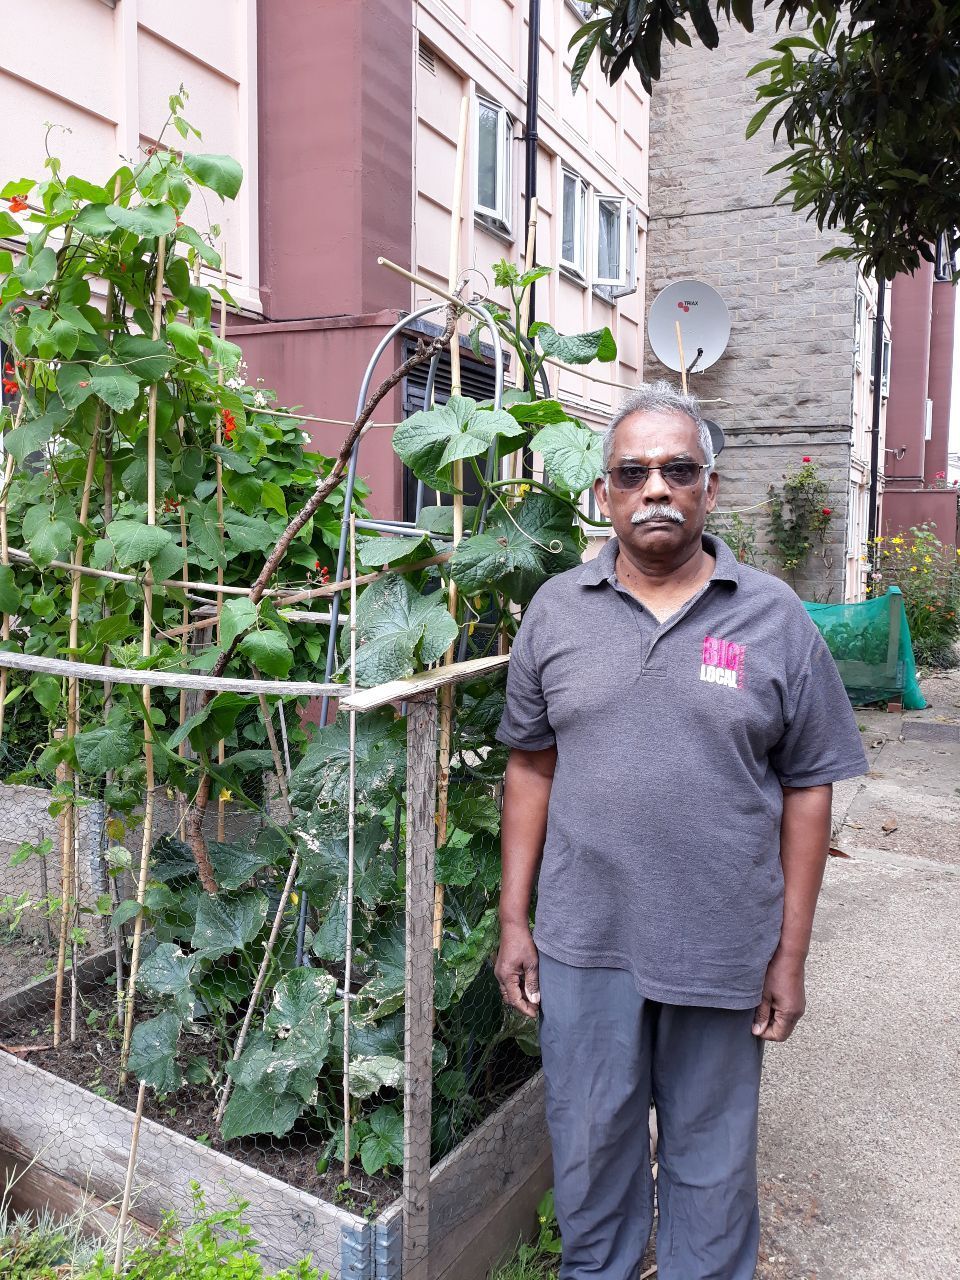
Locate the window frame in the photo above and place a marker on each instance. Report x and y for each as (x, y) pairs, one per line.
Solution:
(572, 267)
(499, 216)
(600, 198)
(858, 331)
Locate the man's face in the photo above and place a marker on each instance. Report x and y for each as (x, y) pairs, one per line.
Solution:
(659, 520)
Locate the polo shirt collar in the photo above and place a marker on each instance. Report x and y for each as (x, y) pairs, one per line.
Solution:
(603, 567)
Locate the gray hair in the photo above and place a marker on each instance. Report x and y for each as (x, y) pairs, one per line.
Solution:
(661, 397)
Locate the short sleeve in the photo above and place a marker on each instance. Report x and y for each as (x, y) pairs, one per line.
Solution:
(525, 723)
(821, 743)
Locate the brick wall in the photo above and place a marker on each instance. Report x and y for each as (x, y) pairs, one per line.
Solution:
(786, 378)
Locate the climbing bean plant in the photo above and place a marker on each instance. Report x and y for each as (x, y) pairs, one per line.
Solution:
(77, 317)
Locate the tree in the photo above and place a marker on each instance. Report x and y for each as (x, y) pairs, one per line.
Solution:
(867, 97)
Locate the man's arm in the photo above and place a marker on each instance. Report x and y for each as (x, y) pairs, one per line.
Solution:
(804, 847)
(526, 795)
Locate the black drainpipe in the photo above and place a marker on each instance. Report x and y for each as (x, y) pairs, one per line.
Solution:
(877, 404)
(530, 158)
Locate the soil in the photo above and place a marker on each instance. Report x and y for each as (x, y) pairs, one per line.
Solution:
(93, 1062)
(22, 959)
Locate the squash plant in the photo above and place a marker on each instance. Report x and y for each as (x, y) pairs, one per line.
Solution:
(74, 312)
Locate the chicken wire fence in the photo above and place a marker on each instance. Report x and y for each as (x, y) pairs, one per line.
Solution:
(238, 1013)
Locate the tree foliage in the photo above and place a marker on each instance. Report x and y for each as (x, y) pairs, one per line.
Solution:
(866, 95)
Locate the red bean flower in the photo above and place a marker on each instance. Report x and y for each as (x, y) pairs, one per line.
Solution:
(18, 204)
(805, 459)
(10, 387)
(229, 424)
(828, 511)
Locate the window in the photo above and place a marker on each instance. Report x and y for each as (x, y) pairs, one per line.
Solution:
(493, 136)
(614, 246)
(585, 8)
(928, 420)
(884, 363)
(573, 238)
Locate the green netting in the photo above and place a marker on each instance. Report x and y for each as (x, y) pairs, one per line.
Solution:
(871, 646)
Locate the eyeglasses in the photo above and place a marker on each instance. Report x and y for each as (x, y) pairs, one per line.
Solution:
(678, 475)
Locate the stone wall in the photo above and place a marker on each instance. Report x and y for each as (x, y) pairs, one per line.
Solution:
(785, 381)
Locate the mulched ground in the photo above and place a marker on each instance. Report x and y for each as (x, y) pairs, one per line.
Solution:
(93, 1061)
(22, 959)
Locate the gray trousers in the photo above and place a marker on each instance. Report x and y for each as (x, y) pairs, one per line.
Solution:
(607, 1052)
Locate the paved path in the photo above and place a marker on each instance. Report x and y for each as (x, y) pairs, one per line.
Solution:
(860, 1127)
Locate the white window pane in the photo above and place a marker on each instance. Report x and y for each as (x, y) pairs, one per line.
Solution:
(569, 250)
(487, 156)
(608, 239)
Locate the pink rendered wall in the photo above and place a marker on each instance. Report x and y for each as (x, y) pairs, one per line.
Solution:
(905, 508)
(318, 364)
(336, 154)
(909, 372)
(941, 378)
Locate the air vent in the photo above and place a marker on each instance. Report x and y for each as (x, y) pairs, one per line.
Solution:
(426, 58)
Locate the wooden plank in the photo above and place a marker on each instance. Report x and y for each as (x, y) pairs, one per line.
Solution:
(421, 683)
(165, 679)
(418, 988)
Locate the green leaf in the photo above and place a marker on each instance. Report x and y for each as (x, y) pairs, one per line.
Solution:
(145, 359)
(74, 384)
(9, 226)
(429, 442)
(153, 1052)
(472, 809)
(226, 924)
(381, 551)
(128, 910)
(396, 629)
(572, 454)
(221, 174)
(296, 997)
(32, 436)
(9, 592)
(238, 615)
(146, 220)
(455, 863)
(47, 539)
(114, 386)
(539, 412)
(185, 340)
(167, 971)
(440, 519)
(234, 864)
(232, 460)
(206, 251)
(270, 651)
(323, 871)
(137, 543)
(110, 746)
(580, 348)
(383, 1147)
(251, 1111)
(93, 221)
(321, 778)
(758, 118)
(248, 533)
(271, 496)
(519, 551)
(36, 271)
(386, 987)
(369, 1075)
(48, 692)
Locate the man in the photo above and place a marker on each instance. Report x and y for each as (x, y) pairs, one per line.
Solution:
(676, 723)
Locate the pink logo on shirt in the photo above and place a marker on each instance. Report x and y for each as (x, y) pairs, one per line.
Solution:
(723, 662)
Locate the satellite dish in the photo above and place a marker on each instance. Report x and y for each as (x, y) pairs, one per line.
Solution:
(716, 434)
(704, 325)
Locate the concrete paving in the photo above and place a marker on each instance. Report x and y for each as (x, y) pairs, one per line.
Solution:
(860, 1122)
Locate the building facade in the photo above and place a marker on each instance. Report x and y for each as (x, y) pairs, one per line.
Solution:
(795, 379)
(919, 485)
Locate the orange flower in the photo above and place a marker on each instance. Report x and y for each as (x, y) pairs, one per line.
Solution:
(18, 204)
(10, 387)
(229, 424)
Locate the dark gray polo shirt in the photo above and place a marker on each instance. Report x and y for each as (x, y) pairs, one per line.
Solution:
(674, 741)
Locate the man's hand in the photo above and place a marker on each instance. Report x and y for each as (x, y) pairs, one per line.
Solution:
(783, 1002)
(518, 969)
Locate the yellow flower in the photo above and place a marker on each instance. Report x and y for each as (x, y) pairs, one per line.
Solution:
(914, 569)
(294, 898)
(928, 559)
(897, 542)
(225, 795)
(523, 490)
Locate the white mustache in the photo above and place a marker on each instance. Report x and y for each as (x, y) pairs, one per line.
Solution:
(658, 513)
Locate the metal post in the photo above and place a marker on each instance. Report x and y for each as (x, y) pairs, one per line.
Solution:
(422, 721)
(877, 405)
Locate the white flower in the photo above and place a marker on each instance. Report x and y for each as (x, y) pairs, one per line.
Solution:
(306, 437)
(235, 383)
(259, 400)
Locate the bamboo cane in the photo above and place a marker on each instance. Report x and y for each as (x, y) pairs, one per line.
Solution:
(67, 891)
(447, 695)
(146, 650)
(351, 852)
(221, 746)
(128, 1182)
(683, 363)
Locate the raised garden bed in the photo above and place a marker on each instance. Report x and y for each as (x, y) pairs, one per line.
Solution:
(482, 1195)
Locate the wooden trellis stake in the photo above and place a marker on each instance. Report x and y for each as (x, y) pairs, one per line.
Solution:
(4, 544)
(419, 693)
(221, 746)
(683, 363)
